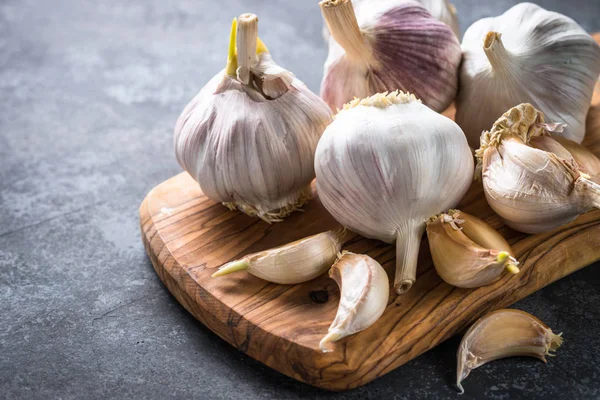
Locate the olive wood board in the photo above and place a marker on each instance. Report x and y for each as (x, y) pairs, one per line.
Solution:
(187, 237)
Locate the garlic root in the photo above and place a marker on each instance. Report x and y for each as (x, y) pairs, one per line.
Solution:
(364, 293)
(295, 262)
(500, 334)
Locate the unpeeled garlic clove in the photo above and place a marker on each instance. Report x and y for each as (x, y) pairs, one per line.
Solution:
(466, 251)
(531, 189)
(295, 262)
(364, 293)
(501, 334)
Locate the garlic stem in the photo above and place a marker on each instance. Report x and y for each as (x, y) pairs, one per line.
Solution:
(231, 54)
(247, 36)
(408, 243)
(234, 266)
(591, 190)
(495, 51)
(341, 21)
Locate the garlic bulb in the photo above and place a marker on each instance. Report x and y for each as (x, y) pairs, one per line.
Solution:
(364, 293)
(385, 165)
(248, 138)
(467, 252)
(531, 189)
(295, 262)
(530, 55)
(442, 10)
(388, 45)
(501, 334)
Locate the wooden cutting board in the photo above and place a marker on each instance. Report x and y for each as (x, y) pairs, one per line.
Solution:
(187, 236)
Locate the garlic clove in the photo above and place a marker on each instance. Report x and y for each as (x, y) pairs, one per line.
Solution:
(466, 251)
(528, 54)
(531, 189)
(364, 293)
(378, 46)
(248, 138)
(295, 262)
(500, 334)
(572, 151)
(379, 172)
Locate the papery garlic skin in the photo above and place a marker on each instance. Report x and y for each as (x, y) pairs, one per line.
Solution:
(296, 262)
(574, 152)
(467, 252)
(500, 334)
(531, 189)
(364, 293)
(388, 45)
(385, 165)
(527, 54)
(251, 146)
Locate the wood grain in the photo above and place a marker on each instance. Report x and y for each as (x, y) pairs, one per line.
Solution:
(187, 236)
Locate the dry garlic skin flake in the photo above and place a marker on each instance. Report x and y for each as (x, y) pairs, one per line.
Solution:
(527, 54)
(388, 45)
(248, 138)
(385, 165)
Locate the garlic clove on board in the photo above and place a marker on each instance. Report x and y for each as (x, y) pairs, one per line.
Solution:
(500, 334)
(364, 293)
(527, 54)
(296, 262)
(380, 173)
(467, 252)
(248, 138)
(378, 46)
(531, 189)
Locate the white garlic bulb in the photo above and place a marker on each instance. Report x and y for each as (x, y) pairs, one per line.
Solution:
(533, 190)
(248, 138)
(529, 55)
(385, 165)
(364, 293)
(388, 45)
(442, 10)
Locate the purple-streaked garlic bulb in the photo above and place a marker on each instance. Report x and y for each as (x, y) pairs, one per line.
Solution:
(249, 137)
(380, 46)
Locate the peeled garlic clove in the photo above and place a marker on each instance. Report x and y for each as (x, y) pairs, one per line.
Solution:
(364, 293)
(380, 174)
(501, 334)
(530, 55)
(248, 138)
(466, 251)
(295, 262)
(379, 46)
(531, 189)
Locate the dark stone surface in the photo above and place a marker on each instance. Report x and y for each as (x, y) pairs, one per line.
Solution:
(89, 94)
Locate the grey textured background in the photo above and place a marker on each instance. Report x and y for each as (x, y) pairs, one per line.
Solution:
(89, 94)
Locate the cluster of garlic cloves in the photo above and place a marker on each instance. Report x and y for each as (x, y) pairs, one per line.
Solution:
(533, 190)
(375, 46)
(501, 334)
(364, 294)
(295, 262)
(379, 172)
(527, 54)
(467, 252)
(248, 138)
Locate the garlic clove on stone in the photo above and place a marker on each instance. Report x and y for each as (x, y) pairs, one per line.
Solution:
(380, 46)
(380, 173)
(248, 138)
(467, 252)
(364, 293)
(296, 262)
(530, 55)
(500, 334)
(531, 189)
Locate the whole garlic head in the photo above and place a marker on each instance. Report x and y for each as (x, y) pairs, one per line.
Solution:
(388, 45)
(248, 138)
(529, 55)
(385, 165)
